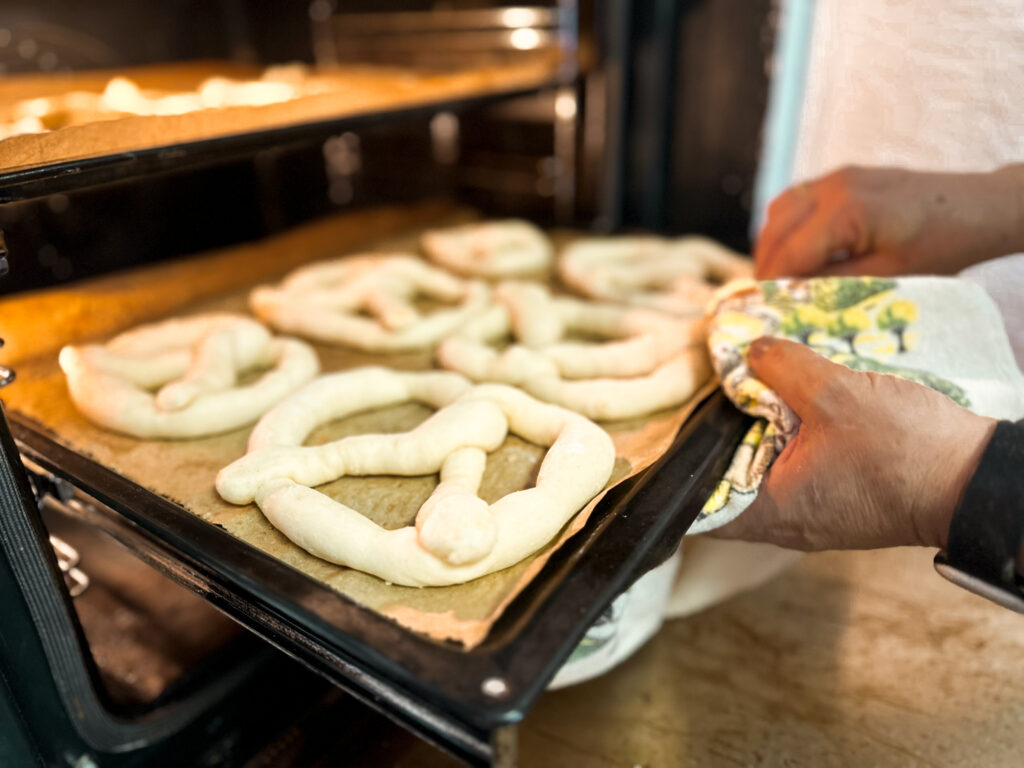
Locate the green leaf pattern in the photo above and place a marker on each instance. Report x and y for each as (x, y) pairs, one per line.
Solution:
(833, 315)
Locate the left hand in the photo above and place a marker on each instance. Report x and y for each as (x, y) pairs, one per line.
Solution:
(891, 221)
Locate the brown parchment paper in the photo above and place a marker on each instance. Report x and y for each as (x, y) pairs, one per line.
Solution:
(184, 471)
(341, 91)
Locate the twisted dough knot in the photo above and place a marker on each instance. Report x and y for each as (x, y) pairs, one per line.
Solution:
(492, 249)
(456, 536)
(650, 360)
(366, 302)
(675, 276)
(193, 364)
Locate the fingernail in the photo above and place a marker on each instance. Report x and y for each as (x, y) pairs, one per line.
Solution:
(759, 346)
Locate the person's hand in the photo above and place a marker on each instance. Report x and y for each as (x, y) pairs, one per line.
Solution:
(878, 461)
(890, 221)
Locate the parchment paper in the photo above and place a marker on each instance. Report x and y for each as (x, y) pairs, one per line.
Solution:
(347, 91)
(184, 471)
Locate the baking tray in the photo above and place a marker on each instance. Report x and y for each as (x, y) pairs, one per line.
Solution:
(69, 175)
(460, 700)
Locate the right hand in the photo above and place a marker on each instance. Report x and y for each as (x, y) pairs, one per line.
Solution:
(878, 461)
(890, 221)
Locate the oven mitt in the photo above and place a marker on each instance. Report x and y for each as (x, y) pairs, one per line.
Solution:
(938, 331)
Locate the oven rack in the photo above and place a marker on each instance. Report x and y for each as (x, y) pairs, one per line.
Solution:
(465, 702)
(66, 176)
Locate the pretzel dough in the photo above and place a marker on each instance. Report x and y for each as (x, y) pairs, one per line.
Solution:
(493, 249)
(652, 360)
(193, 364)
(366, 302)
(457, 536)
(676, 276)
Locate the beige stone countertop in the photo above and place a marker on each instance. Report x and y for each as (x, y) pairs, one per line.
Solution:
(846, 659)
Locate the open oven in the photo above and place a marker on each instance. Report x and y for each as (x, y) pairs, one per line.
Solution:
(564, 113)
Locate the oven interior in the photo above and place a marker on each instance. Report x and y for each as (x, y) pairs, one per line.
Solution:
(650, 120)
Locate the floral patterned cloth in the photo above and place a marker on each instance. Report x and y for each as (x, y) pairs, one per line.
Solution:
(943, 333)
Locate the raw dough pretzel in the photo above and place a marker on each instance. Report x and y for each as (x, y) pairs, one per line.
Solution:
(457, 536)
(324, 301)
(493, 249)
(669, 275)
(652, 360)
(195, 362)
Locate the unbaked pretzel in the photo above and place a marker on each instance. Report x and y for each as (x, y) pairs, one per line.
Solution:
(677, 276)
(366, 302)
(456, 536)
(492, 249)
(179, 378)
(651, 361)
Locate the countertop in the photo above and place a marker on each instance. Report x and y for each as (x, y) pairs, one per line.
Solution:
(847, 658)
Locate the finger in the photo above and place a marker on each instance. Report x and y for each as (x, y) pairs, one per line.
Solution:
(796, 373)
(876, 264)
(809, 248)
(786, 212)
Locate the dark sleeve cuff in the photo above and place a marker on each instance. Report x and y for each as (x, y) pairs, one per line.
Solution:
(988, 527)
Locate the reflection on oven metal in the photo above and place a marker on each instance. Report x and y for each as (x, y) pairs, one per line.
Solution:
(6, 374)
(67, 559)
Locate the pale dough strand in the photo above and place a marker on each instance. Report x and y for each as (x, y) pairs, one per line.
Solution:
(456, 536)
(652, 361)
(490, 249)
(195, 362)
(366, 302)
(607, 399)
(677, 276)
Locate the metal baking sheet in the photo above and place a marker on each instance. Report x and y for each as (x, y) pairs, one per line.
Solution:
(183, 472)
(435, 688)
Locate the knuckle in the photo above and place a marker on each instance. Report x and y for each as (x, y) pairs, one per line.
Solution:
(845, 184)
(878, 382)
(829, 395)
(845, 175)
(852, 203)
(779, 204)
(849, 226)
(838, 179)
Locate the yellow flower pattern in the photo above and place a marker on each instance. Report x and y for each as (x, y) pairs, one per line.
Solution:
(858, 322)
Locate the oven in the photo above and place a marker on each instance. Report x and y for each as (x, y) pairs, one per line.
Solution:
(125, 637)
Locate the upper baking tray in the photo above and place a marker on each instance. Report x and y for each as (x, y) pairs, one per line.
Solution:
(83, 155)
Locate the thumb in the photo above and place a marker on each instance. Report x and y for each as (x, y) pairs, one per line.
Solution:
(797, 373)
(762, 521)
(872, 264)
